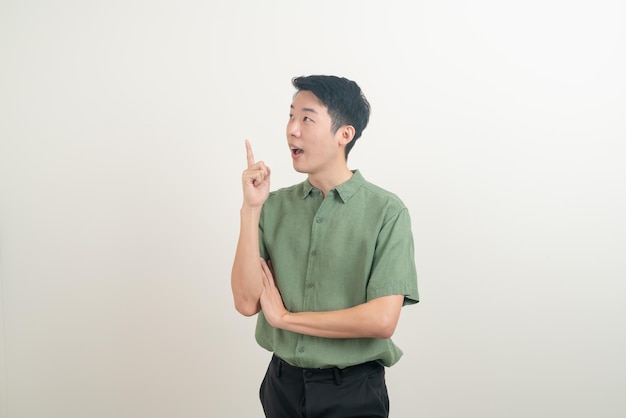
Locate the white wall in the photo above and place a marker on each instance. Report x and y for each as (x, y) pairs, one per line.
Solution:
(500, 124)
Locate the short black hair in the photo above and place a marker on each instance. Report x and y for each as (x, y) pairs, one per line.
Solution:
(343, 98)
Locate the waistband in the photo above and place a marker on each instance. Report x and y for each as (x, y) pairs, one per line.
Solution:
(281, 367)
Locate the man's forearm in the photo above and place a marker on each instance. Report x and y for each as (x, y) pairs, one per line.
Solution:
(377, 318)
(246, 275)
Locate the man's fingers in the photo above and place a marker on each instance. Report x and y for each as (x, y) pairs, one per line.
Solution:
(257, 177)
(264, 266)
(249, 154)
(257, 173)
(267, 273)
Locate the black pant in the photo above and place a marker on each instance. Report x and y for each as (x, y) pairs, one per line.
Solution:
(358, 391)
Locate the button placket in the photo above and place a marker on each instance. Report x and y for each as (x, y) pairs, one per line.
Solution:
(317, 229)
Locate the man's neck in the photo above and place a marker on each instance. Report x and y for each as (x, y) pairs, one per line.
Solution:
(328, 181)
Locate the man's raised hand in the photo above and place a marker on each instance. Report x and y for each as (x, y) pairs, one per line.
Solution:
(256, 180)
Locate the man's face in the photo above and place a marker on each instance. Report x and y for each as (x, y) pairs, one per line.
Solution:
(314, 147)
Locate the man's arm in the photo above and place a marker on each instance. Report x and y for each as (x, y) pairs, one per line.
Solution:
(376, 318)
(247, 273)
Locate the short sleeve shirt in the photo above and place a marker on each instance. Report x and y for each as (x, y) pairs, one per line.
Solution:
(335, 252)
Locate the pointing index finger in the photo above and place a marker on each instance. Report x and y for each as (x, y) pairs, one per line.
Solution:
(249, 154)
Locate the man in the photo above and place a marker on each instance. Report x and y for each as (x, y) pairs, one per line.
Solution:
(327, 264)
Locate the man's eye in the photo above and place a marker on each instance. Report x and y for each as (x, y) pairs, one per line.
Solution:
(307, 119)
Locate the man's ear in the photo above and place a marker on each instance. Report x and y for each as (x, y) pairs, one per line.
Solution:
(347, 133)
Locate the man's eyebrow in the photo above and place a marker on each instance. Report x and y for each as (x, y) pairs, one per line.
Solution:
(307, 109)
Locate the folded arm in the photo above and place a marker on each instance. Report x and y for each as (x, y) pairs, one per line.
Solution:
(376, 318)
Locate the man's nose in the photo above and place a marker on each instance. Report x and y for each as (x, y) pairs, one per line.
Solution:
(293, 128)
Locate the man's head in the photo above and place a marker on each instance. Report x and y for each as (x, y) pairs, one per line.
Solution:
(344, 100)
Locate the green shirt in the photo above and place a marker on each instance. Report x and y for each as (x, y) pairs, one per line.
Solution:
(335, 253)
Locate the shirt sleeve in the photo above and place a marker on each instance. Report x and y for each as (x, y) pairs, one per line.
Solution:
(393, 268)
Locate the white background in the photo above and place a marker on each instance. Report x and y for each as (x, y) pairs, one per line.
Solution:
(122, 124)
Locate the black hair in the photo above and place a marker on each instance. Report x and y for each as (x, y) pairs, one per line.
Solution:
(343, 98)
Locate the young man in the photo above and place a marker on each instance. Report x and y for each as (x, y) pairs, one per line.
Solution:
(327, 264)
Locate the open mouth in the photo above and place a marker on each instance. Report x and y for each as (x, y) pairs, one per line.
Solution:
(296, 151)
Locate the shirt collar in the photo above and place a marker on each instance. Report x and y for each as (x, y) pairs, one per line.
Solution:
(345, 190)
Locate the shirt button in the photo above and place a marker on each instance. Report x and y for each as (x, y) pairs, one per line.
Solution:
(310, 285)
(301, 349)
(319, 220)
(314, 252)
(309, 374)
